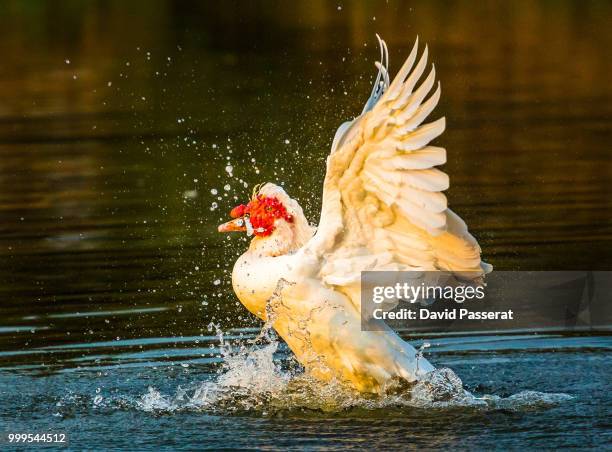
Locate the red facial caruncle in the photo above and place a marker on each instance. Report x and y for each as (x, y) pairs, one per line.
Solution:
(263, 211)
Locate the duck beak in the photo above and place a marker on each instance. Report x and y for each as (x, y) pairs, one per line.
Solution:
(237, 224)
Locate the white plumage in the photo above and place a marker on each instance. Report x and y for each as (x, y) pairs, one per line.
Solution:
(383, 209)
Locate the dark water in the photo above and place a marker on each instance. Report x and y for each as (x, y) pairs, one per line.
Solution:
(163, 394)
(119, 119)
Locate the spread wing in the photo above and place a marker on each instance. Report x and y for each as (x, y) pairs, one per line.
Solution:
(383, 201)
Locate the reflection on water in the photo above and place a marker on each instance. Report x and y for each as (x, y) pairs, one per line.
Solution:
(128, 131)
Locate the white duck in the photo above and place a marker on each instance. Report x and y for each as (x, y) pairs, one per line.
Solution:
(383, 209)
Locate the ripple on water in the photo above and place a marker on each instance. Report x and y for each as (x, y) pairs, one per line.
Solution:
(251, 381)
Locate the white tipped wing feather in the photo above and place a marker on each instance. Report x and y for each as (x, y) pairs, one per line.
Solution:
(383, 206)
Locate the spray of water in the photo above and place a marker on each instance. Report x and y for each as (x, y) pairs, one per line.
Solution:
(252, 380)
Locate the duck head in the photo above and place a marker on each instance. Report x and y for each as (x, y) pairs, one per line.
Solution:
(274, 220)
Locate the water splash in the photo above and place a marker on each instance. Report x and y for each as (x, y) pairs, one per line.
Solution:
(419, 356)
(440, 387)
(256, 378)
(253, 380)
(268, 391)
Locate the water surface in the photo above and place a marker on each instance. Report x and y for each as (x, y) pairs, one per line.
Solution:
(122, 124)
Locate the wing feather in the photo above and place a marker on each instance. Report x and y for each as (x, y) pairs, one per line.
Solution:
(421, 113)
(411, 81)
(396, 85)
(420, 159)
(383, 205)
